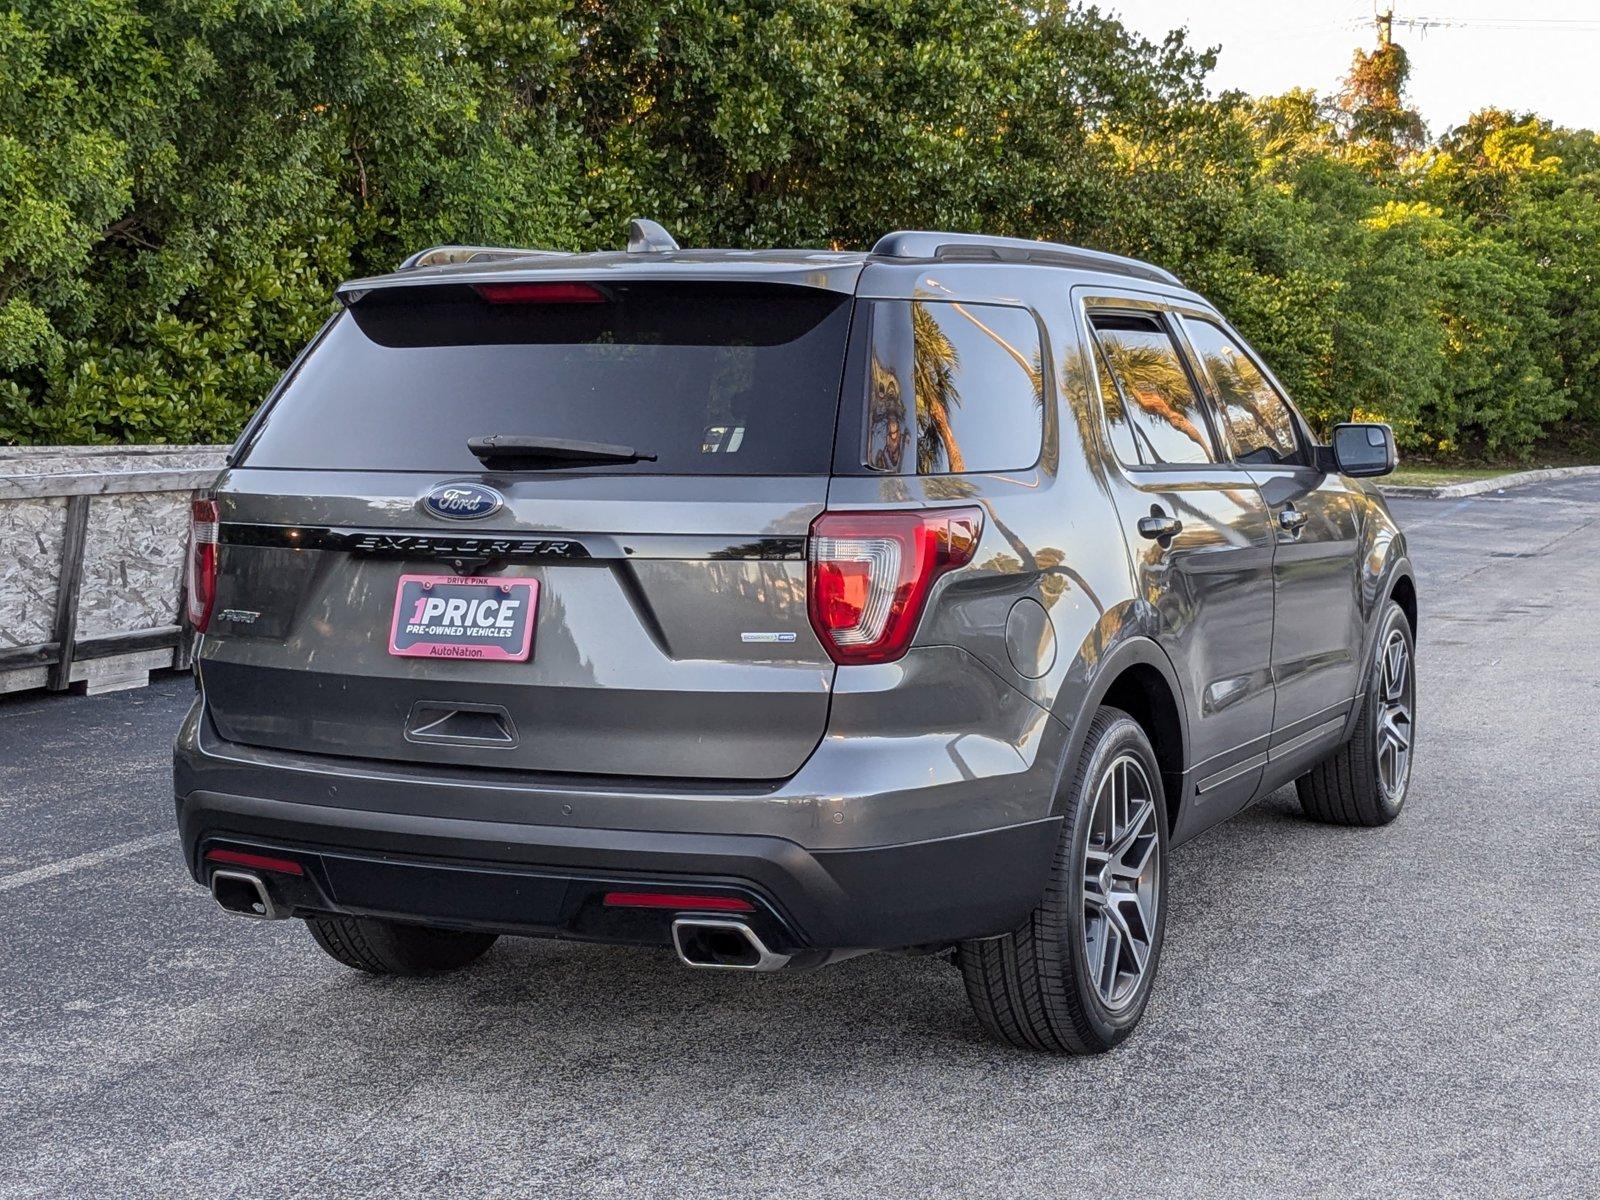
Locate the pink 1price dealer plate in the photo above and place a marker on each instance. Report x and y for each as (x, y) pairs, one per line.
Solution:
(462, 616)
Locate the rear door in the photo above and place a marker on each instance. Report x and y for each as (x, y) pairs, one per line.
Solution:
(665, 597)
(1316, 517)
(1202, 543)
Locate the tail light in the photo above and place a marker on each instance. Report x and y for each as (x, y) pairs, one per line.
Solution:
(871, 572)
(200, 577)
(540, 293)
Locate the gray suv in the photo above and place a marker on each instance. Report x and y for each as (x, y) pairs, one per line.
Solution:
(779, 606)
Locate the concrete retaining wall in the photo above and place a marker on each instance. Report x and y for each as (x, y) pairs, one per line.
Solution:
(92, 543)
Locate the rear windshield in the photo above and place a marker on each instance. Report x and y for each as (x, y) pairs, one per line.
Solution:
(720, 378)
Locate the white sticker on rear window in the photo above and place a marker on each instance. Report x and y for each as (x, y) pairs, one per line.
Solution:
(721, 439)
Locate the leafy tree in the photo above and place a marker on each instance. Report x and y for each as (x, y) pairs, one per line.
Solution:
(1374, 115)
(183, 182)
(1536, 189)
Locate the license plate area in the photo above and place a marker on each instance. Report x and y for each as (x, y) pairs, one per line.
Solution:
(463, 617)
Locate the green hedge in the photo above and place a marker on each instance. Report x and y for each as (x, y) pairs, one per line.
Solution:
(182, 182)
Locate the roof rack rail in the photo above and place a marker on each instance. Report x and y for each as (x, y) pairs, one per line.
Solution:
(976, 247)
(439, 256)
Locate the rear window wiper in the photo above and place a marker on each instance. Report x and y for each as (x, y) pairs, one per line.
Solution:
(515, 449)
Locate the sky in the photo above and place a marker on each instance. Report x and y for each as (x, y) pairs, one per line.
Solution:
(1542, 55)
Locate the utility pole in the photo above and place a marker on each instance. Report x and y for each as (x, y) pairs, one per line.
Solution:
(1385, 22)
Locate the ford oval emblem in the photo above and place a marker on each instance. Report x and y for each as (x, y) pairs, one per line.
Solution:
(463, 501)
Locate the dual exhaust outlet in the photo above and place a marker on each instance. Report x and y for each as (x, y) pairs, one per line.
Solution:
(704, 942)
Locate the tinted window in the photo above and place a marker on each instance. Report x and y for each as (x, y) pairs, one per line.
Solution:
(952, 388)
(710, 378)
(1258, 423)
(1153, 411)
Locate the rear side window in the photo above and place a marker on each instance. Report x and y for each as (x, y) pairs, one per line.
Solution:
(718, 378)
(951, 388)
(1152, 408)
(1255, 418)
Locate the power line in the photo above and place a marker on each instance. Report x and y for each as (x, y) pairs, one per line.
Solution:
(1552, 24)
(1385, 20)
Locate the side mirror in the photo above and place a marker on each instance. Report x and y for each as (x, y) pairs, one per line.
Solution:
(1361, 450)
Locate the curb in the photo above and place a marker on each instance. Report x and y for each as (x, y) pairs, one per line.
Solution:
(1477, 487)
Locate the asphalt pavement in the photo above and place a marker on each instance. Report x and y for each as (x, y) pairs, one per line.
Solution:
(1406, 1011)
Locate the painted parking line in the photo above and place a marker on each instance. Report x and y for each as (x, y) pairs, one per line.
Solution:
(78, 862)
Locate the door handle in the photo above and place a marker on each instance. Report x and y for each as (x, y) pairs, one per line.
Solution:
(1158, 526)
(1291, 518)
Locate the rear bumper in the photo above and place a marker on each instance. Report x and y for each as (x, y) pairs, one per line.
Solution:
(550, 880)
(543, 881)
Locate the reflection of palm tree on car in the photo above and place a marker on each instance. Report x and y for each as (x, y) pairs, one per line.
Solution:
(1239, 390)
(943, 360)
(1153, 379)
(934, 366)
(935, 371)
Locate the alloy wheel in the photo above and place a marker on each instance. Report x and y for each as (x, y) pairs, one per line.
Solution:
(1395, 693)
(1121, 881)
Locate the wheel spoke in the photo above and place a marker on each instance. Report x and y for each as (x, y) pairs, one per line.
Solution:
(1094, 897)
(1105, 812)
(1145, 898)
(1124, 901)
(1396, 729)
(1137, 950)
(1132, 862)
(1096, 945)
(1393, 680)
(1135, 827)
(1111, 959)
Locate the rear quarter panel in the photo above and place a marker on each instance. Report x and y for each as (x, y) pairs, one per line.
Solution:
(1049, 592)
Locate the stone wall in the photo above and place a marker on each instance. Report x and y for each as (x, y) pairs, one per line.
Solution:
(130, 508)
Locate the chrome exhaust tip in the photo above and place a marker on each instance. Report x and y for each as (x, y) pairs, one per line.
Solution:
(723, 946)
(245, 895)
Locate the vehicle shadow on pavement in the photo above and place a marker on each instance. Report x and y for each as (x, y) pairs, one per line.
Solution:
(567, 1002)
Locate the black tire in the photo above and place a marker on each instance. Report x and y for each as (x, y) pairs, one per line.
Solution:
(1034, 988)
(390, 948)
(1347, 787)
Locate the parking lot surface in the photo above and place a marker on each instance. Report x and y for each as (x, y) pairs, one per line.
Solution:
(1406, 1011)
